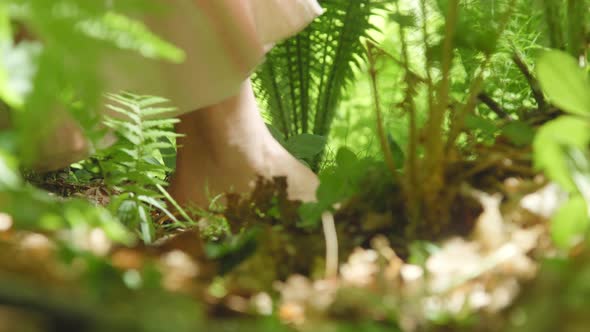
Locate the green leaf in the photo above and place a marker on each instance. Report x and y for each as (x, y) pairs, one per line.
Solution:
(276, 133)
(345, 158)
(551, 143)
(17, 70)
(159, 205)
(160, 123)
(564, 82)
(404, 20)
(396, 151)
(234, 249)
(487, 126)
(311, 213)
(336, 185)
(579, 166)
(5, 29)
(129, 34)
(9, 176)
(570, 222)
(306, 146)
(126, 209)
(519, 132)
(146, 225)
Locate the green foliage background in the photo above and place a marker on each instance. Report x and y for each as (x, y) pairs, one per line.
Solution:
(409, 88)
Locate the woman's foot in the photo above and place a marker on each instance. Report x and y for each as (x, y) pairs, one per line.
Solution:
(64, 145)
(226, 146)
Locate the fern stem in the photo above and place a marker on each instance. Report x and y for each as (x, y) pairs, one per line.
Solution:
(321, 87)
(292, 88)
(434, 165)
(412, 186)
(387, 155)
(303, 84)
(276, 97)
(427, 59)
(576, 12)
(552, 17)
(434, 158)
(459, 120)
(437, 114)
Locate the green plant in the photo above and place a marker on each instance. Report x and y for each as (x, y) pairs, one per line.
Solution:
(36, 78)
(436, 92)
(442, 54)
(303, 79)
(57, 69)
(34, 209)
(305, 147)
(337, 183)
(134, 165)
(561, 145)
(566, 25)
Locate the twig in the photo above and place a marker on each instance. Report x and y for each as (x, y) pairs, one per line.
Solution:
(493, 105)
(533, 83)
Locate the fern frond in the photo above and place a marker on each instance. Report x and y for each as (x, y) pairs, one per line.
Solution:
(352, 20)
(553, 17)
(131, 165)
(301, 83)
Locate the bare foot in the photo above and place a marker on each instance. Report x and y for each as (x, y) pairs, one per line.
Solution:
(226, 146)
(64, 145)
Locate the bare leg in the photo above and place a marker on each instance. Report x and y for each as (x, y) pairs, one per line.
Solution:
(226, 146)
(224, 149)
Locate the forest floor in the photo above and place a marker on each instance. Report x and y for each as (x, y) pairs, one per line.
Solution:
(493, 269)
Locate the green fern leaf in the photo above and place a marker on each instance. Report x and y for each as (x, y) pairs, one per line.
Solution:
(302, 81)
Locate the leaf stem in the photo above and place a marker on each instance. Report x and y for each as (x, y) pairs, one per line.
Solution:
(174, 203)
